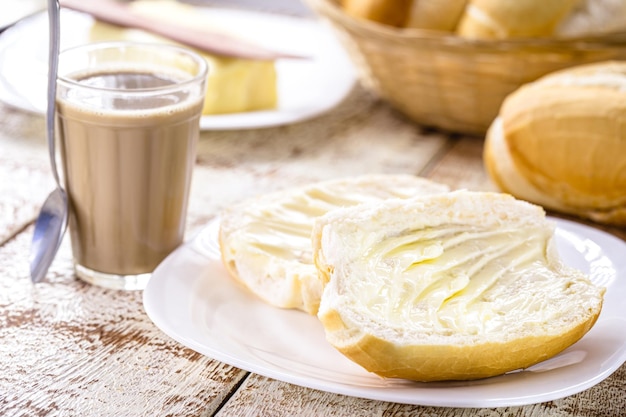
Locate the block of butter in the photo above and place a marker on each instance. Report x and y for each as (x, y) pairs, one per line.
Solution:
(233, 85)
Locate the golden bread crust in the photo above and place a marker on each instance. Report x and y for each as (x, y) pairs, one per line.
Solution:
(503, 19)
(561, 142)
(428, 363)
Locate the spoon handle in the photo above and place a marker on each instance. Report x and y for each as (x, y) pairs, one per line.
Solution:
(52, 221)
(53, 64)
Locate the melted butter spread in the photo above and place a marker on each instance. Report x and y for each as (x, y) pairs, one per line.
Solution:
(463, 279)
(266, 242)
(282, 228)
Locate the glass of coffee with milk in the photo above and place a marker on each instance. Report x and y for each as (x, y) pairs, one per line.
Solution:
(128, 123)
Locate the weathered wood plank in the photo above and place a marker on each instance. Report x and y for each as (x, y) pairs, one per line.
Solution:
(461, 167)
(69, 348)
(25, 178)
(261, 396)
(361, 136)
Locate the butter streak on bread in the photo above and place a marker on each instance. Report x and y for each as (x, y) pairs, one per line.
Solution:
(456, 286)
(266, 241)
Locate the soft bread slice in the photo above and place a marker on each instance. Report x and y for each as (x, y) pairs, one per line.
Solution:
(457, 286)
(561, 142)
(266, 242)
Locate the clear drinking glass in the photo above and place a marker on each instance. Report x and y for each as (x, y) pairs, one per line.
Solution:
(128, 123)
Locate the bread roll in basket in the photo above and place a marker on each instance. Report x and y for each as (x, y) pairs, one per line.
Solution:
(452, 82)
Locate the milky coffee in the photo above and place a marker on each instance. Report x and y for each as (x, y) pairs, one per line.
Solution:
(126, 171)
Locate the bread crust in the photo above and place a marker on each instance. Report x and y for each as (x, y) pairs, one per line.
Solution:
(445, 362)
(504, 19)
(389, 12)
(561, 142)
(441, 15)
(436, 14)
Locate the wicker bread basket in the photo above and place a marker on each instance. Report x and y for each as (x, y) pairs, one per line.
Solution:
(445, 81)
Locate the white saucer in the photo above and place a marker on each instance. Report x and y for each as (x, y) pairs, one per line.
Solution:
(306, 88)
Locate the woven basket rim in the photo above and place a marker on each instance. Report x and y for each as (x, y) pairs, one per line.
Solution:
(370, 29)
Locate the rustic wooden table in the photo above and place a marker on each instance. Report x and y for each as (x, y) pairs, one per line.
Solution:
(71, 349)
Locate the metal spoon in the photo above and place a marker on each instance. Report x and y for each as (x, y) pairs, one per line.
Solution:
(52, 221)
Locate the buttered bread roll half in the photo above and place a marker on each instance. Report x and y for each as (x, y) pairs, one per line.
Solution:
(455, 286)
(266, 242)
(561, 142)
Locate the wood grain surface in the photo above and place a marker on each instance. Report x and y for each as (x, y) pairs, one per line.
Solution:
(71, 349)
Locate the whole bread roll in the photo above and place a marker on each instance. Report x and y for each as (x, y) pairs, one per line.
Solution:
(424, 14)
(561, 142)
(435, 14)
(266, 242)
(503, 19)
(389, 12)
(455, 286)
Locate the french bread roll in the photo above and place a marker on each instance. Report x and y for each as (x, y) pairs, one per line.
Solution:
(503, 19)
(266, 242)
(424, 14)
(388, 12)
(435, 14)
(455, 286)
(561, 142)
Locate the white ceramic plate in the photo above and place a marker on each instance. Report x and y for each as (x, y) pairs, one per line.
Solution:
(306, 88)
(192, 299)
(13, 10)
